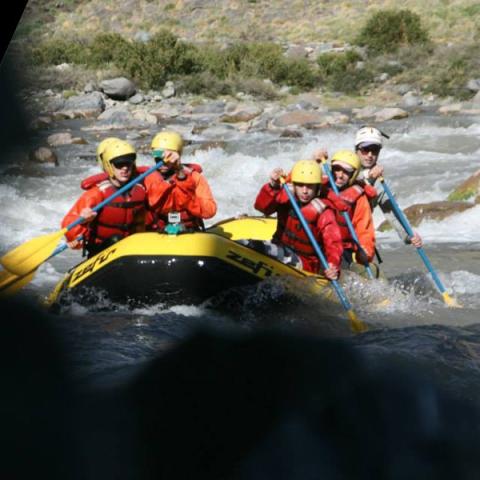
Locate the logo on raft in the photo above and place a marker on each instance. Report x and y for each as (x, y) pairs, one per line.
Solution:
(255, 267)
(92, 266)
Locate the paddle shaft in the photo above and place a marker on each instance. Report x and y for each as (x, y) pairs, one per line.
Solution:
(338, 289)
(121, 190)
(408, 229)
(346, 216)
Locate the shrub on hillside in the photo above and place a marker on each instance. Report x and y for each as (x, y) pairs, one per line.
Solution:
(339, 71)
(56, 52)
(108, 48)
(387, 30)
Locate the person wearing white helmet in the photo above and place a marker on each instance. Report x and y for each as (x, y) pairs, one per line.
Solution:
(368, 143)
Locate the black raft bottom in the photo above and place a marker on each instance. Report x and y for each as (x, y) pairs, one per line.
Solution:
(169, 280)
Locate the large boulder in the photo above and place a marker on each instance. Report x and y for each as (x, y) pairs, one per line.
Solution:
(432, 211)
(120, 88)
(299, 118)
(242, 113)
(82, 106)
(467, 190)
(392, 113)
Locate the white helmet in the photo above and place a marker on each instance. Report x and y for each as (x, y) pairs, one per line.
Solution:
(369, 136)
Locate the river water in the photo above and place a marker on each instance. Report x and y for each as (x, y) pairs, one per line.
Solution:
(426, 157)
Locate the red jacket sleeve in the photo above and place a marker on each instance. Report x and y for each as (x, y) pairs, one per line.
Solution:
(157, 188)
(331, 237)
(269, 199)
(90, 198)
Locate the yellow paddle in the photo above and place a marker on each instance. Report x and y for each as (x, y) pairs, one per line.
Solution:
(11, 284)
(31, 254)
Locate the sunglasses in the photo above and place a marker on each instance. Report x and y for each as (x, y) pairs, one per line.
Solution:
(158, 154)
(375, 149)
(338, 168)
(119, 164)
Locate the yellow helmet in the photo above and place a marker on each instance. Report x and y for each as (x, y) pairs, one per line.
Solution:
(102, 146)
(306, 171)
(167, 141)
(349, 160)
(114, 151)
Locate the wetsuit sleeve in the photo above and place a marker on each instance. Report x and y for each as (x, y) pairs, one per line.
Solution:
(331, 237)
(389, 214)
(363, 223)
(90, 199)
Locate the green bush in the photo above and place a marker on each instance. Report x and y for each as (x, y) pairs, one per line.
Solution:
(338, 71)
(55, 52)
(387, 30)
(108, 48)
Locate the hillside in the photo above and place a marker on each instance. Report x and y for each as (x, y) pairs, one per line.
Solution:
(455, 21)
(57, 32)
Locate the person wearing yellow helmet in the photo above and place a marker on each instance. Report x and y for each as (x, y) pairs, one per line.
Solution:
(290, 243)
(125, 214)
(345, 166)
(189, 200)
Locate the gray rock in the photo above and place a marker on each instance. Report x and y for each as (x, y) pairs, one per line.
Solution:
(145, 117)
(90, 87)
(82, 106)
(243, 113)
(410, 100)
(217, 106)
(391, 113)
(169, 90)
(43, 121)
(120, 88)
(43, 155)
(403, 88)
(299, 118)
(473, 85)
(142, 36)
(63, 67)
(137, 99)
(364, 113)
(62, 138)
(296, 52)
(383, 77)
(290, 133)
(450, 108)
(117, 118)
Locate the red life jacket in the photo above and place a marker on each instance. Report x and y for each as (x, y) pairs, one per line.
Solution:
(294, 236)
(188, 221)
(349, 197)
(120, 216)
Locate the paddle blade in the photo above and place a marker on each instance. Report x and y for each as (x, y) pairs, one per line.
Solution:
(10, 284)
(450, 301)
(355, 323)
(30, 255)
